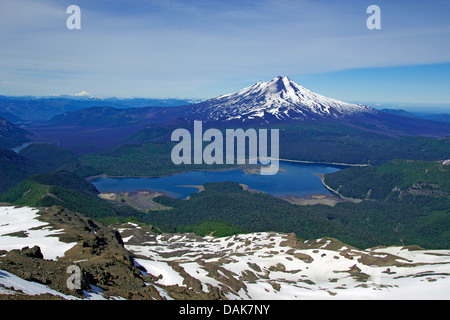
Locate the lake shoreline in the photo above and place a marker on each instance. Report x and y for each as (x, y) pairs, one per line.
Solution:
(335, 192)
(104, 175)
(314, 199)
(327, 163)
(246, 169)
(296, 182)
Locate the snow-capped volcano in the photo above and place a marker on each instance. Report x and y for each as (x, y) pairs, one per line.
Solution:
(278, 99)
(82, 94)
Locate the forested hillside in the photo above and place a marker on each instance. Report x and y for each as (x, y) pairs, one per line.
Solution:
(420, 220)
(66, 189)
(394, 179)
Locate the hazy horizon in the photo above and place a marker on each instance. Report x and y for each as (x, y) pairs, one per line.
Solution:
(203, 49)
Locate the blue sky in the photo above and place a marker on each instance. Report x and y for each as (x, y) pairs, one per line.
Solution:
(205, 48)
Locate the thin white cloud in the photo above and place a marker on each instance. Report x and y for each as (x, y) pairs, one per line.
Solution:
(155, 48)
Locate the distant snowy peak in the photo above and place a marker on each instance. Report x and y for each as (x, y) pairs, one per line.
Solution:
(279, 99)
(82, 94)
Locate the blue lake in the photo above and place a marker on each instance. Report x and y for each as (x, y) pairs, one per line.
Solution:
(297, 179)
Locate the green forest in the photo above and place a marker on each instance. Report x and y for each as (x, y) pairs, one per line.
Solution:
(392, 179)
(405, 202)
(149, 154)
(417, 220)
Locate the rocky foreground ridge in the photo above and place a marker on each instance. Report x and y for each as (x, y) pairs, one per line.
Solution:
(127, 261)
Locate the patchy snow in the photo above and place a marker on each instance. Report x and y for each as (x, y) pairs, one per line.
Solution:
(8, 280)
(12, 284)
(157, 268)
(20, 228)
(268, 269)
(248, 266)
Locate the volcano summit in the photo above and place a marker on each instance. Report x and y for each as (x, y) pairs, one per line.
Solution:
(280, 99)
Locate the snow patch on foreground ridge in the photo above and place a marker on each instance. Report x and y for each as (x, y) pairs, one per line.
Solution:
(20, 228)
(264, 265)
(272, 266)
(9, 281)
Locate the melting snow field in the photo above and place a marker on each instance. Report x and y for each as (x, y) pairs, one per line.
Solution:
(20, 228)
(260, 266)
(8, 280)
(11, 284)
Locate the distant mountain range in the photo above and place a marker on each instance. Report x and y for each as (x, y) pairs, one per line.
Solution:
(10, 117)
(442, 117)
(109, 116)
(275, 102)
(39, 109)
(86, 124)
